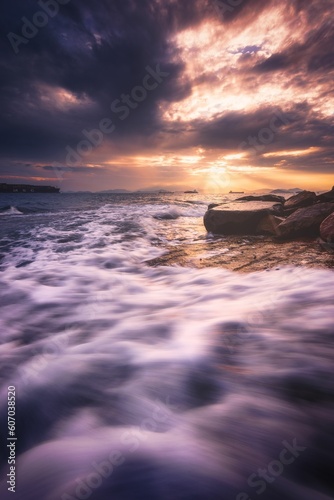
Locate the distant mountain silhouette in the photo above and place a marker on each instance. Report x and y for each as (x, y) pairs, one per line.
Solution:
(120, 191)
(293, 190)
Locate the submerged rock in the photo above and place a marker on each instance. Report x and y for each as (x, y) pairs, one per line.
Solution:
(305, 221)
(303, 199)
(239, 217)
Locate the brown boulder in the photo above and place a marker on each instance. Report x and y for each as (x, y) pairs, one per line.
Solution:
(305, 221)
(269, 225)
(302, 199)
(327, 229)
(329, 196)
(263, 197)
(239, 217)
(213, 205)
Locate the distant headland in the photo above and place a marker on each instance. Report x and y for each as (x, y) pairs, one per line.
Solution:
(27, 188)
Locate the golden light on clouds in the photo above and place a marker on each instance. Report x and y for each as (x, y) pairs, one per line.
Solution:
(300, 152)
(163, 160)
(215, 58)
(235, 156)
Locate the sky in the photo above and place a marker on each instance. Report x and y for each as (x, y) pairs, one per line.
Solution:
(198, 94)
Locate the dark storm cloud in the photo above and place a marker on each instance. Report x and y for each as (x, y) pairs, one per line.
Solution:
(95, 52)
(273, 63)
(85, 169)
(316, 53)
(230, 130)
(295, 128)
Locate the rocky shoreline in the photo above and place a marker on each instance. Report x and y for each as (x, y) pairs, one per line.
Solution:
(253, 253)
(302, 215)
(258, 233)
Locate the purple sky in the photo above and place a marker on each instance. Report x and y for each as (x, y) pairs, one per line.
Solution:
(190, 93)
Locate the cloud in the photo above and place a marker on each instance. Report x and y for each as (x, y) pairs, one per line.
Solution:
(228, 73)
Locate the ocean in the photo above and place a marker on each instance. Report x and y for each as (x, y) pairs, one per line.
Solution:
(135, 382)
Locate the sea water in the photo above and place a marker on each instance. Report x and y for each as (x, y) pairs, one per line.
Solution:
(139, 382)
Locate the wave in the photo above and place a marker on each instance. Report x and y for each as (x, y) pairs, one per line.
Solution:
(173, 213)
(170, 214)
(10, 210)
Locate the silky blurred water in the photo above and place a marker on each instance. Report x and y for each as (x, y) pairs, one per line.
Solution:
(135, 382)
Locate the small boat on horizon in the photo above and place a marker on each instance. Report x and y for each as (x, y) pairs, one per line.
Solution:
(237, 192)
(194, 191)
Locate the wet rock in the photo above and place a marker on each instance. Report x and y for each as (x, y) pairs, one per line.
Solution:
(270, 253)
(264, 197)
(327, 229)
(239, 217)
(329, 196)
(269, 225)
(289, 212)
(303, 199)
(305, 221)
(213, 205)
(327, 247)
